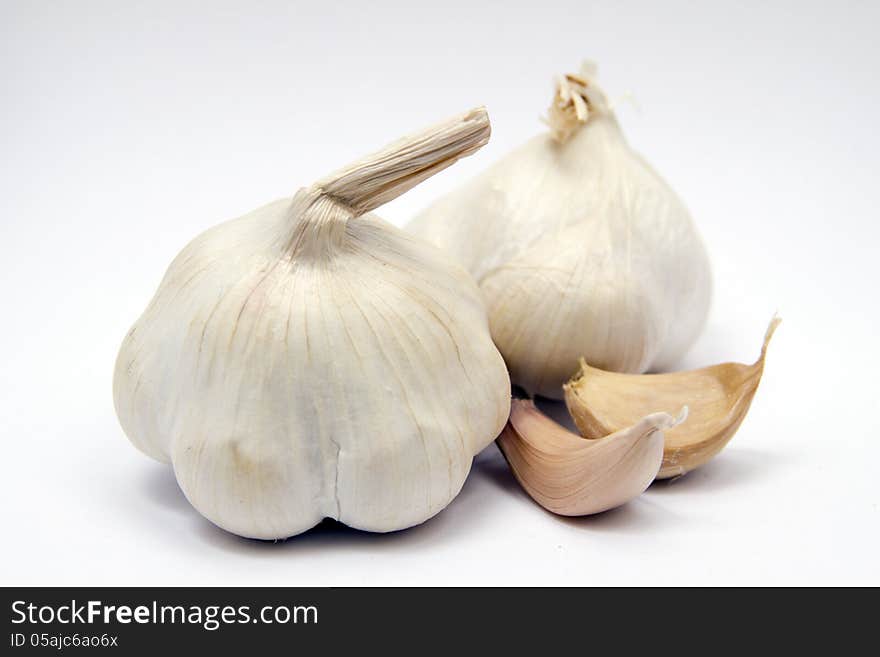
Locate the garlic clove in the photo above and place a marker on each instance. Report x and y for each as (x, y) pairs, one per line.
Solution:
(572, 476)
(719, 397)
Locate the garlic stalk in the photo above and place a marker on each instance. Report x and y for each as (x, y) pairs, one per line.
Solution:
(579, 247)
(718, 397)
(572, 476)
(310, 361)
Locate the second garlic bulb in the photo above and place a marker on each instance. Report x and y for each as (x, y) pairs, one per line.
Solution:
(580, 248)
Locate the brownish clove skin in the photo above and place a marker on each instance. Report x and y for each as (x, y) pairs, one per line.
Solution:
(571, 476)
(718, 398)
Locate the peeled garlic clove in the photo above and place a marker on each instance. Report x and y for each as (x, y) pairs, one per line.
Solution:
(718, 397)
(310, 361)
(580, 249)
(572, 476)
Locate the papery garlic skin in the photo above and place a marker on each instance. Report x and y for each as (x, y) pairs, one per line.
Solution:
(580, 249)
(303, 362)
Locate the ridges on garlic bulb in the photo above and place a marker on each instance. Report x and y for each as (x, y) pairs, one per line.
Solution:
(579, 247)
(310, 361)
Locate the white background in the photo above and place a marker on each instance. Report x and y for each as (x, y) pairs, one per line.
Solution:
(126, 128)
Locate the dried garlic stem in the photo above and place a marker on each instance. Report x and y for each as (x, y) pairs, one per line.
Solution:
(718, 397)
(576, 99)
(378, 178)
(571, 476)
(319, 213)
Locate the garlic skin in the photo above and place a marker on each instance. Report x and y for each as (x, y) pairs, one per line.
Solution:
(580, 249)
(304, 362)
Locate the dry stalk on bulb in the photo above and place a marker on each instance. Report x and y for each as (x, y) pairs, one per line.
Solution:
(719, 397)
(576, 99)
(572, 476)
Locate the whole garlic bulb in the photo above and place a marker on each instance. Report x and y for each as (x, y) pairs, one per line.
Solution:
(310, 361)
(580, 248)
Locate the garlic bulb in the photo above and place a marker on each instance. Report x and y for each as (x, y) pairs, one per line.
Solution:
(580, 248)
(308, 361)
